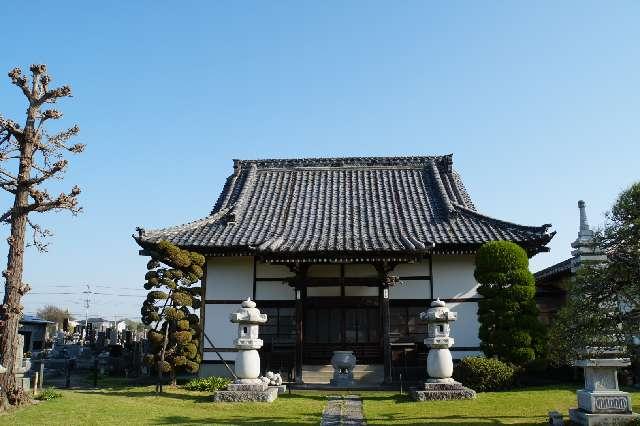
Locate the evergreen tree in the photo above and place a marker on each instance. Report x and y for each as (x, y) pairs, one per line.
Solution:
(174, 337)
(508, 315)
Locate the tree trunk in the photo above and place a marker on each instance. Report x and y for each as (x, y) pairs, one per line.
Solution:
(14, 289)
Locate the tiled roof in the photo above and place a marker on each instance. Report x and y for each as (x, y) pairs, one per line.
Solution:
(554, 272)
(345, 205)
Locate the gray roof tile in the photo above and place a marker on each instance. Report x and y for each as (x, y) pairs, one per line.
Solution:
(360, 204)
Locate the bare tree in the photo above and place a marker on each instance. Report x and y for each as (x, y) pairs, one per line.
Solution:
(29, 156)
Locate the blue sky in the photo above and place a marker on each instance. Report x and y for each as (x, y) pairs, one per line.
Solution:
(537, 101)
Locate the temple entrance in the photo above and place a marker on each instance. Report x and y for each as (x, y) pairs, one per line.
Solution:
(341, 323)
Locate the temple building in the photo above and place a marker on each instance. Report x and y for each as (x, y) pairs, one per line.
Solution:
(342, 254)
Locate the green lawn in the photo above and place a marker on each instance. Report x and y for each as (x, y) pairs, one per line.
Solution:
(138, 405)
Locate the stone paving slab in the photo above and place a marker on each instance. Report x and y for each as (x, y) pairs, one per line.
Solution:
(343, 410)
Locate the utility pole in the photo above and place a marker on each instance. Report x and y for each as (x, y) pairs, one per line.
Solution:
(87, 303)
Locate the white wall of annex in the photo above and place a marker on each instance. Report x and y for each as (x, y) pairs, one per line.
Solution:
(465, 329)
(420, 268)
(219, 329)
(411, 289)
(453, 277)
(229, 278)
(267, 270)
(274, 290)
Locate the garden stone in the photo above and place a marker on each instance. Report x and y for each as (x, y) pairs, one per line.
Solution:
(440, 385)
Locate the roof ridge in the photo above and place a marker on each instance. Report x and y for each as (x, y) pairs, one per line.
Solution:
(416, 161)
(504, 222)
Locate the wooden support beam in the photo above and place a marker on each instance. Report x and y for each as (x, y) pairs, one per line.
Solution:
(300, 293)
(384, 268)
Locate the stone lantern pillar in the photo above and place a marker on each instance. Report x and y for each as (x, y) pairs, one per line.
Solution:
(248, 318)
(248, 387)
(439, 361)
(440, 384)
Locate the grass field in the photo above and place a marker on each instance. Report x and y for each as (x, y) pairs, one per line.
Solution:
(139, 405)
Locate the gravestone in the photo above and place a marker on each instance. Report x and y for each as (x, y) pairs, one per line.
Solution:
(22, 366)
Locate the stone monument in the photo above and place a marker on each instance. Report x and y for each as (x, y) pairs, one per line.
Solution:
(343, 363)
(22, 366)
(248, 386)
(440, 384)
(601, 402)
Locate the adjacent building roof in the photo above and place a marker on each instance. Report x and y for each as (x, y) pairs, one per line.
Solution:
(361, 205)
(32, 319)
(554, 272)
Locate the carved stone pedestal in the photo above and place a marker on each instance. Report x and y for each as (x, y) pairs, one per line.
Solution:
(601, 402)
(443, 391)
(243, 392)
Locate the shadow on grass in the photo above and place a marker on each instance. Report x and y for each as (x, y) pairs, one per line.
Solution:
(138, 393)
(237, 420)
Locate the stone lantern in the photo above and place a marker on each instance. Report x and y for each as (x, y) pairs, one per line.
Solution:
(248, 387)
(439, 361)
(440, 384)
(248, 318)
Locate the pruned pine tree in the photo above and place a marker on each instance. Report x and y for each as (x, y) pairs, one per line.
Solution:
(170, 309)
(29, 157)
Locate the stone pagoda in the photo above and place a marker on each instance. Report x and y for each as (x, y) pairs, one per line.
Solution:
(248, 386)
(440, 384)
(601, 401)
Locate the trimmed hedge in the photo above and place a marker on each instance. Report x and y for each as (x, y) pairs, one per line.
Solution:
(508, 315)
(208, 384)
(484, 374)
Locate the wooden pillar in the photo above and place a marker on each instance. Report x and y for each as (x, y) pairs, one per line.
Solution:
(386, 344)
(300, 294)
(383, 304)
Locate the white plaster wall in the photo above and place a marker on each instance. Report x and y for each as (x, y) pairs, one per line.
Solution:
(360, 270)
(229, 278)
(453, 277)
(324, 271)
(267, 270)
(323, 291)
(465, 329)
(274, 290)
(411, 289)
(219, 329)
(360, 291)
(420, 268)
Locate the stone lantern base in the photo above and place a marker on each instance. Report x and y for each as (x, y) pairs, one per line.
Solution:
(241, 391)
(443, 391)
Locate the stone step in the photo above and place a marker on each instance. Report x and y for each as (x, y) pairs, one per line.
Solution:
(362, 374)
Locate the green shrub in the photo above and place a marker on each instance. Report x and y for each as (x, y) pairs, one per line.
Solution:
(208, 384)
(48, 394)
(508, 315)
(484, 374)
